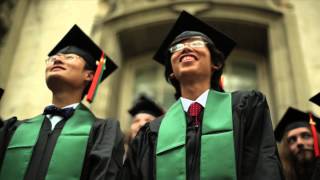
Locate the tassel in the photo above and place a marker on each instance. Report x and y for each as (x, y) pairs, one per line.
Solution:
(96, 78)
(315, 136)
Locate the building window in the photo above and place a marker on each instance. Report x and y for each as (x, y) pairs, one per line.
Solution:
(240, 75)
(142, 75)
(149, 80)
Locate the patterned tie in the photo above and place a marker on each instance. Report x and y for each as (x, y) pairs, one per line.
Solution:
(194, 112)
(52, 110)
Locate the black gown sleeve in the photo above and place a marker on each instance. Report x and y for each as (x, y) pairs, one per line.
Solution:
(105, 151)
(6, 131)
(260, 159)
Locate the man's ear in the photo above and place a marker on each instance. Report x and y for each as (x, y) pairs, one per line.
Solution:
(172, 76)
(215, 67)
(89, 75)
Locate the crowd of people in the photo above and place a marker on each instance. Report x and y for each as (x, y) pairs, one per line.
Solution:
(206, 134)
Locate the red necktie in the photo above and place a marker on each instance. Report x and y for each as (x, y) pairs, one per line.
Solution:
(194, 112)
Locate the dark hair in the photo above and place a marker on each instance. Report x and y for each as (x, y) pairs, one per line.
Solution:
(287, 160)
(217, 58)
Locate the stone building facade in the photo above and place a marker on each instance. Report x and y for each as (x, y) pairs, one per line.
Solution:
(277, 49)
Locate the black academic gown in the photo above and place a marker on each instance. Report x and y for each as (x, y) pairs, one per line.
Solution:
(256, 152)
(104, 154)
(316, 172)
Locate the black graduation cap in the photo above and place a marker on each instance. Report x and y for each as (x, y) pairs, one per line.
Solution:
(294, 118)
(77, 42)
(316, 99)
(187, 22)
(145, 105)
(1, 92)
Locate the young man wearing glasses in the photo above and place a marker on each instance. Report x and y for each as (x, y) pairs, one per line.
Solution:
(207, 133)
(67, 141)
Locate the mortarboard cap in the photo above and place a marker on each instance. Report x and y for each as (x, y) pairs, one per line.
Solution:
(145, 105)
(187, 22)
(293, 118)
(316, 99)
(77, 42)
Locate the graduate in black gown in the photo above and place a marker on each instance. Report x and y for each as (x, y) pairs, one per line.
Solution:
(208, 133)
(298, 133)
(66, 141)
(143, 110)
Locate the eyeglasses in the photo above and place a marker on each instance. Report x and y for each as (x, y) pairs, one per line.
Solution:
(192, 44)
(67, 57)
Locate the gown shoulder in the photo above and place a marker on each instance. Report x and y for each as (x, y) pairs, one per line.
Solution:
(105, 150)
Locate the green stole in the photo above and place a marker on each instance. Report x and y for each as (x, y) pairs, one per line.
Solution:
(68, 155)
(217, 159)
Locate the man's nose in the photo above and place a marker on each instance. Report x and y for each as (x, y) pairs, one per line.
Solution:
(300, 142)
(57, 60)
(186, 48)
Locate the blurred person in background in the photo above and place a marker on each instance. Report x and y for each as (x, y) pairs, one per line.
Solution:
(299, 149)
(144, 110)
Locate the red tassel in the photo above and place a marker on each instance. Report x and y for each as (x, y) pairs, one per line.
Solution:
(96, 79)
(315, 136)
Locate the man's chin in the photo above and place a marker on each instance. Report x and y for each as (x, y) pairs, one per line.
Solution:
(190, 72)
(53, 77)
(54, 80)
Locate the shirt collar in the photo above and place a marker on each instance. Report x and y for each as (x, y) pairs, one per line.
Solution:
(202, 99)
(74, 106)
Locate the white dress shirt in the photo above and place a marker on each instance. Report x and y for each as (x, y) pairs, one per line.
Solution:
(55, 119)
(202, 99)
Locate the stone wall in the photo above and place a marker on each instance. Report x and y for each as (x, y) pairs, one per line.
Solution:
(307, 16)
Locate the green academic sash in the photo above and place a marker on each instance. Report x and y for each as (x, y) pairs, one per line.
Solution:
(19, 150)
(68, 156)
(217, 159)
